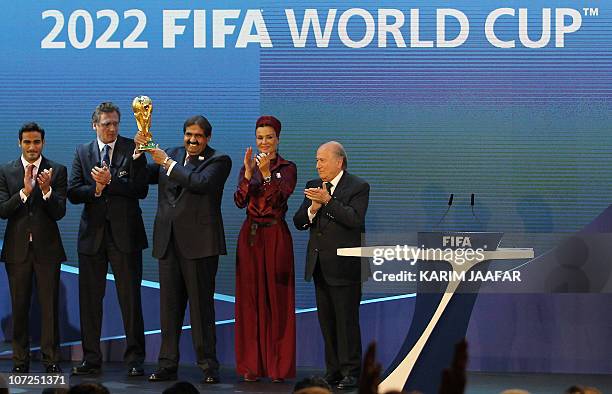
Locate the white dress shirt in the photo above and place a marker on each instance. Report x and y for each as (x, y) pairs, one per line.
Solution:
(36, 164)
(112, 150)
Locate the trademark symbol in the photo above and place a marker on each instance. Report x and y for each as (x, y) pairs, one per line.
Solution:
(590, 11)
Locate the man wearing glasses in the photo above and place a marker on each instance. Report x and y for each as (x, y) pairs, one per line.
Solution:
(109, 182)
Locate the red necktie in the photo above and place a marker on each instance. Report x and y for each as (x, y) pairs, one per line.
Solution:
(30, 169)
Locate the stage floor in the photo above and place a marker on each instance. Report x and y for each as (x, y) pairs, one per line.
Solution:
(113, 377)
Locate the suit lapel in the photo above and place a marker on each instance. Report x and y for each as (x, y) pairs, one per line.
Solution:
(119, 156)
(341, 186)
(323, 218)
(93, 154)
(338, 192)
(183, 157)
(16, 176)
(18, 171)
(206, 154)
(174, 190)
(44, 165)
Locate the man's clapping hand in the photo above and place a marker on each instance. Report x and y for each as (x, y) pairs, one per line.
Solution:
(102, 177)
(44, 180)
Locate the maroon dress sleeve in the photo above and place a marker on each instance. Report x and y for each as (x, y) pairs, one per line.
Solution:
(245, 189)
(281, 186)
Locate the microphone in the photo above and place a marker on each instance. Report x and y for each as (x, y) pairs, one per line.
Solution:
(472, 199)
(450, 204)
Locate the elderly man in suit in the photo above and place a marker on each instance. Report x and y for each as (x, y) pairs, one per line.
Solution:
(33, 199)
(188, 238)
(334, 210)
(108, 181)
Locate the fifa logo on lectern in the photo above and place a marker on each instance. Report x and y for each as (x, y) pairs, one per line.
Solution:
(458, 251)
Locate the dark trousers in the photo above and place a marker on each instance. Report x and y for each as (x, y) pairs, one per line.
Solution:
(338, 312)
(127, 269)
(47, 283)
(180, 280)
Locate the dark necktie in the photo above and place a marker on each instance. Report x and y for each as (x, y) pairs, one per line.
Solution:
(328, 186)
(106, 155)
(191, 162)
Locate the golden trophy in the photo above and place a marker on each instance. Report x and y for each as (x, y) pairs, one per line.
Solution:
(143, 108)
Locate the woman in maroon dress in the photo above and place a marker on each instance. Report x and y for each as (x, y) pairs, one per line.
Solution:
(265, 305)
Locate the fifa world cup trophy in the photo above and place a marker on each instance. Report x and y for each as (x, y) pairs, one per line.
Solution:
(143, 108)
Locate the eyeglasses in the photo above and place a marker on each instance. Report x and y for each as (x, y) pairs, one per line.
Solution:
(106, 125)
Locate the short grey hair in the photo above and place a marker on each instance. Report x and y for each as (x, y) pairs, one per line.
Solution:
(339, 152)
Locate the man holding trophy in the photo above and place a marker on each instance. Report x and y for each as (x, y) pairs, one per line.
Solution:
(188, 238)
(109, 181)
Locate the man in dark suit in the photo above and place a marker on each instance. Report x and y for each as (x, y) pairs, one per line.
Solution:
(109, 182)
(33, 199)
(188, 238)
(334, 210)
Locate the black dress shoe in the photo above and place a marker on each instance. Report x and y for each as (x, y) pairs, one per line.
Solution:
(332, 378)
(135, 371)
(211, 376)
(53, 368)
(20, 369)
(347, 382)
(162, 375)
(86, 369)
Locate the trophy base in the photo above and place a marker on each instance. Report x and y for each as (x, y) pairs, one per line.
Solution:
(150, 145)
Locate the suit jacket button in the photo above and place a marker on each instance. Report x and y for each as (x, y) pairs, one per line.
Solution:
(31, 213)
(319, 234)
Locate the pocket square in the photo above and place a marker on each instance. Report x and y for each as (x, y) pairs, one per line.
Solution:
(122, 173)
